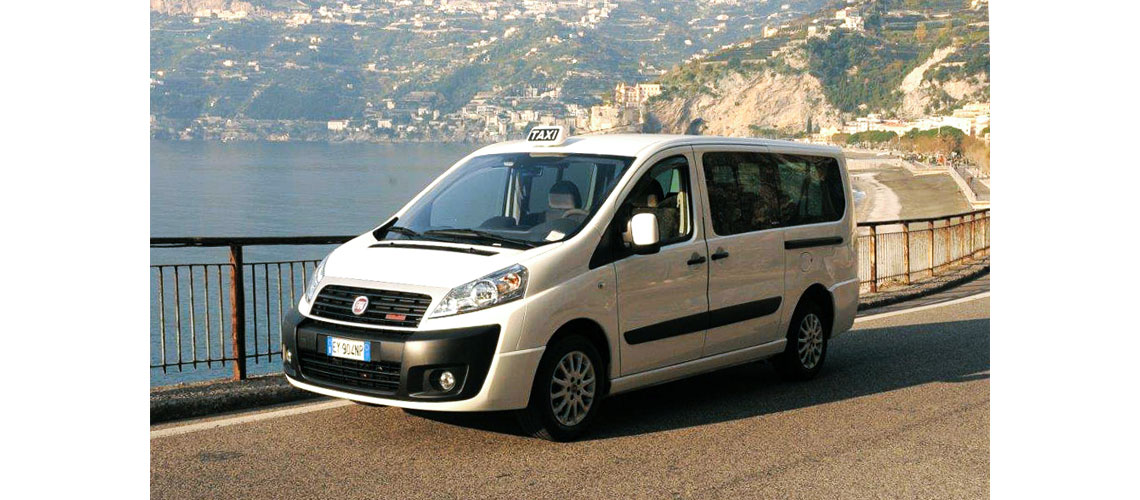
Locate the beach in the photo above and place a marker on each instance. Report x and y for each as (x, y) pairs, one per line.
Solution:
(892, 192)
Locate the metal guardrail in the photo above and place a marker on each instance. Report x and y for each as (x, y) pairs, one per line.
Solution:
(894, 253)
(207, 315)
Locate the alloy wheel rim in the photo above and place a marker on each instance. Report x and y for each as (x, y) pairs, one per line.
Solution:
(809, 344)
(572, 388)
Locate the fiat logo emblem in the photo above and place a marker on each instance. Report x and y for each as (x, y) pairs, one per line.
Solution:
(360, 305)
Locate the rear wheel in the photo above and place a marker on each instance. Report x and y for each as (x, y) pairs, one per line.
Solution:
(567, 391)
(806, 349)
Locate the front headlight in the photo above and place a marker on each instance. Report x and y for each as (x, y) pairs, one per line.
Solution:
(491, 290)
(315, 281)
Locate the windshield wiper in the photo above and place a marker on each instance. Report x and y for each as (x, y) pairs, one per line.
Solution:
(410, 234)
(403, 230)
(477, 234)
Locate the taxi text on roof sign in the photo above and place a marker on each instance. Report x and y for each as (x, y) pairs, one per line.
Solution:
(546, 136)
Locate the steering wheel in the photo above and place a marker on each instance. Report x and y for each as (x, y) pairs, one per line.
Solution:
(574, 211)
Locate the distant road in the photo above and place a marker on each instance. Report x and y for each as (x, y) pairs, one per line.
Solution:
(900, 411)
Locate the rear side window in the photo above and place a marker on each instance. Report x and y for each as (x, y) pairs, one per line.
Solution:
(811, 190)
(743, 191)
(756, 191)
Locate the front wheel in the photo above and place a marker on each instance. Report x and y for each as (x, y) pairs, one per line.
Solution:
(567, 391)
(806, 349)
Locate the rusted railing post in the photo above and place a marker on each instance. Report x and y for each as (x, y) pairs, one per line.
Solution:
(874, 267)
(950, 248)
(237, 311)
(965, 244)
(906, 250)
(974, 236)
(987, 238)
(930, 224)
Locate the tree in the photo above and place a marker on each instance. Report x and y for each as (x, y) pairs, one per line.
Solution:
(977, 152)
(920, 32)
(940, 141)
(872, 137)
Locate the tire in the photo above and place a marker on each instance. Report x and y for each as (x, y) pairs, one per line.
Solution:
(564, 360)
(809, 325)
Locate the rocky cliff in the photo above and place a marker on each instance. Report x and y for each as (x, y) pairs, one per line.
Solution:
(741, 104)
(923, 95)
(814, 72)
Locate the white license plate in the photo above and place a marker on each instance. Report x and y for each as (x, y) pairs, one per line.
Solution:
(349, 349)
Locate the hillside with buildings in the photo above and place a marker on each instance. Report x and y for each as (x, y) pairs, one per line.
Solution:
(423, 70)
(853, 66)
(466, 70)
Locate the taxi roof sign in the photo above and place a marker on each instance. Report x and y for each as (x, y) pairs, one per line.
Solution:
(547, 136)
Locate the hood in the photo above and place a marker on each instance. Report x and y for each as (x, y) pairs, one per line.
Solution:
(423, 263)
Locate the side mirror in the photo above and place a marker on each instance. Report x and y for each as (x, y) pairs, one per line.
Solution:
(643, 229)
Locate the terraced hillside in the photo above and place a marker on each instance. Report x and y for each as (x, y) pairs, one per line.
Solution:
(900, 58)
(333, 59)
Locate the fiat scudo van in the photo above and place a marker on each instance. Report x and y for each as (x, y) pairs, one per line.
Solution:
(544, 275)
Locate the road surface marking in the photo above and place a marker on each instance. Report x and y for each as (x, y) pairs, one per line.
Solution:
(874, 317)
(328, 405)
(242, 419)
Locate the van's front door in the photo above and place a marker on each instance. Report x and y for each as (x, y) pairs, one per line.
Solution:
(662, 299)
(746, 247)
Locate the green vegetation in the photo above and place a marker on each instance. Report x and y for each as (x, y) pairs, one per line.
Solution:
(875, 137)
(859, 72)
(949, 132)
(972, 58)
(700, 77)
(774, 133)
(332, 68)
(944, 140)
(941, 142)
(265, 69)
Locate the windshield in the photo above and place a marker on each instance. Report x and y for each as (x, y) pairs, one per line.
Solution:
(516, 200)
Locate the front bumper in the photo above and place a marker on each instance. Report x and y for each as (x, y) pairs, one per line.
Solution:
(404, 366)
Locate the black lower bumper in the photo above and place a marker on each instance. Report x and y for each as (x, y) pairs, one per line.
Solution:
(403, 366)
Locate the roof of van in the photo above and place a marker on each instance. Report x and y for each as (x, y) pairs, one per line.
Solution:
(637, 144)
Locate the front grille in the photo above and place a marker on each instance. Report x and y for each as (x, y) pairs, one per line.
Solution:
(335, 302)
(378, 376)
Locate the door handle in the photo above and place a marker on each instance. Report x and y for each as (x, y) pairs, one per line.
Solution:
(695, 259)
(720, 254)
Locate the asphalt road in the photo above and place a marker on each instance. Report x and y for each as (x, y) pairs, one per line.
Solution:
(901, 410)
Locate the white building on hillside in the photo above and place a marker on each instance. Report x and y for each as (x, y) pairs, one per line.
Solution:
(632, 96)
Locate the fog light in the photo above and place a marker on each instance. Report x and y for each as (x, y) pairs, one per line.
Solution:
(446, 381)
(288, 354)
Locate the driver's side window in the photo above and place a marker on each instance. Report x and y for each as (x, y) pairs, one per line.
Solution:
(468, 206)
(665, 192)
